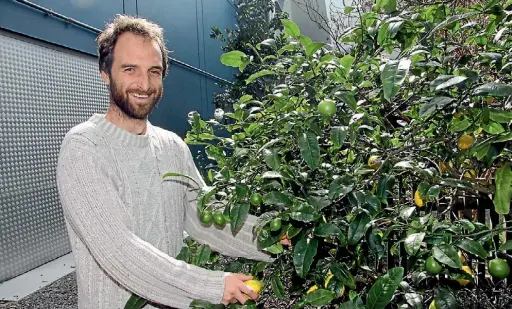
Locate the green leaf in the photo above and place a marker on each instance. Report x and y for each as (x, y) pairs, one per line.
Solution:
(309, 149)
(389, 6)
(135, 302)
(277, 286)
(473, 247)
(202, 255)
(451, 20)
(319, 202)
(413, 243)
(275, 248)
(277, 198)
(320, 297)
(503, 192)
(374, 241)
(272, 158)
(500, 116)
(445, 81)
(184, 254)
(468, 225)
(266, 238)
(241, 190)
(233, 58)
(291, 28)
(458, 125)
(338, 135)
(386, 183)
(312, 48)
(166, 175)
(238, 215)
(349, 99)
(304, 40)
(382, 291)
(202, 304)
(348, 9)
(493, 128)
(506, 246)
(346, 62)
(415, 300)
(343, 274)
(447, 255)
(327, 229)
(304, 213)
(445, 300)
(340, 186)
(393, 76)
(303, 254)
(436, 103)
(494, 90)
(258, 75)
(357, 228)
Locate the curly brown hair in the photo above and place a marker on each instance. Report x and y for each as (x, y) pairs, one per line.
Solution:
(122, 24)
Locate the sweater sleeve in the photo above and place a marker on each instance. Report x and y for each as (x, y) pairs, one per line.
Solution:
(88, 189)
(222, 240)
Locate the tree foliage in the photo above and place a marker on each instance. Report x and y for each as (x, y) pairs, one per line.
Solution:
(423, 115)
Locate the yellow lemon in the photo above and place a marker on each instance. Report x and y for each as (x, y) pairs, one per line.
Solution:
(417, 199)
(443, 167)
(462, 258)
(489, 100)
(465, 282)
(470, 174)
(255, 285)
(465, 142)
(457, 115)
(311, 289)
(432, 305)
(374, 162)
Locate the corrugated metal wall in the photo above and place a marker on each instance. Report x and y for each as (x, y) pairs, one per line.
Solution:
(50, 82)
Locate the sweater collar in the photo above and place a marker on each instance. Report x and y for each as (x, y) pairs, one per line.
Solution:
(116, 133)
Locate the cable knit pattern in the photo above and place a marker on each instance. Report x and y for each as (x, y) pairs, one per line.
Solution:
(126, 223)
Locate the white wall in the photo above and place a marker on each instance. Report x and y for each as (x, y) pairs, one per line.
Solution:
(327, 11)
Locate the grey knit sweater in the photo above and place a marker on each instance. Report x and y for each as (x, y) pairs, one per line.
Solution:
(126, 223)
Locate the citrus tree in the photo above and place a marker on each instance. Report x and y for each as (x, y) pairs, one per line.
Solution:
(358, 159)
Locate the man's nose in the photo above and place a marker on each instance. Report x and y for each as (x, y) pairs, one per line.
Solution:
(143, 81)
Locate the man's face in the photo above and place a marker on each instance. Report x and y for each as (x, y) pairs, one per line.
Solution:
(135, 82)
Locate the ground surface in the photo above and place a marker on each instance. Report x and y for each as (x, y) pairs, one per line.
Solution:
(61, 294)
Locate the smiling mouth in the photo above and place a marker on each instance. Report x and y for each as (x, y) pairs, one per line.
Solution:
(140, 97)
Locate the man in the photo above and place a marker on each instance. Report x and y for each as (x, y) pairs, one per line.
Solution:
(124, 221)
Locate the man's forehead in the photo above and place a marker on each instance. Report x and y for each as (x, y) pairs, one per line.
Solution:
(137, 46)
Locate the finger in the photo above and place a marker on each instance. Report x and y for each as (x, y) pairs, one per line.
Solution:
(247, 290)
(241, 297)
(243, 277)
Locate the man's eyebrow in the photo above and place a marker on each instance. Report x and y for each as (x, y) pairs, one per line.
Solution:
(128, 65)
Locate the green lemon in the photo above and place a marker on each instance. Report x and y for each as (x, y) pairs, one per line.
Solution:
(256, 199)
(275, 225)
(327, 108)
(206, 217)
(218, 219)
(498, 268)
(432, 266)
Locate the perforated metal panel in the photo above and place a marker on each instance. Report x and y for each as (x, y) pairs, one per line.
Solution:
(45, 91)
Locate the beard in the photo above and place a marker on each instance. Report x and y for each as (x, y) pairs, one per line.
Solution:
(123, 100)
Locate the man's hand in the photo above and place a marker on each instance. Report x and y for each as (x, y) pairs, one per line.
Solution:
(285, 241)
(235, 289)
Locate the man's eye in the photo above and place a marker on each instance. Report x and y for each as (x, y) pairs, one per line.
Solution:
(128, 70)
(156, 72)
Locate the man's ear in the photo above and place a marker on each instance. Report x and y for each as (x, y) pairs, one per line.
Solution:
(105, 77)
